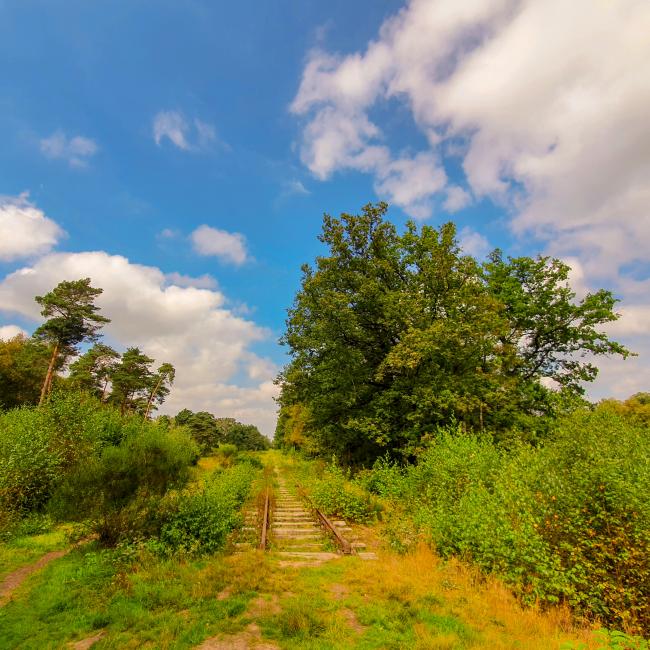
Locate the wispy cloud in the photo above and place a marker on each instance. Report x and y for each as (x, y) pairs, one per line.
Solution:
(76, 151)
(204, 281)
(294, 187)
(186, 134)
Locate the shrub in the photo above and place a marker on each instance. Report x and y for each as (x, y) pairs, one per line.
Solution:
(119, 488)
(198, 522)
(38, 446)
(567, 521)
(336, 495)
(385, 479)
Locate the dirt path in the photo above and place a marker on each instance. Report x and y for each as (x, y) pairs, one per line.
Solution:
(17, 577)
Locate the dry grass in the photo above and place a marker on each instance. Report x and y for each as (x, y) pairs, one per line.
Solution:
(483, 604)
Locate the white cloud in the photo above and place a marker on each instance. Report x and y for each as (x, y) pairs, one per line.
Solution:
(192, 328)
(77, 150)
(457, 199)
(24, 229)
(473, 243)
(204, 281)
(10, 331)
(545, 104)
(187, 135)
(558, 123)
(228, 246)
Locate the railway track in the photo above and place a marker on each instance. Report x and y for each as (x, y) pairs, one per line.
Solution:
(298, 533)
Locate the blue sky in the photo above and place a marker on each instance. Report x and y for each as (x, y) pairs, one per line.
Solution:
(128, 126)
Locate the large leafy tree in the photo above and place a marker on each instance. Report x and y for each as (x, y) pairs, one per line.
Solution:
(393, 335)
(71, 319)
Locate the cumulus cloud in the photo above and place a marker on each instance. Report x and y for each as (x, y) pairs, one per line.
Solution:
(188, 135)
(227, 246)
(190, 327)
(544, 104)
(555, 127)
(10, 331)
(76, 151)
(24, 229)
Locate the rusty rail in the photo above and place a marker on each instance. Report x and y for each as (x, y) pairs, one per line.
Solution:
(344, 544)
(346, 547)
(265, 521)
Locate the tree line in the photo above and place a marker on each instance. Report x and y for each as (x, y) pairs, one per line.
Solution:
(30, 366)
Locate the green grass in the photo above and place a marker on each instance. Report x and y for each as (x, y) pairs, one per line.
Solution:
(25, 549)
(167, 603)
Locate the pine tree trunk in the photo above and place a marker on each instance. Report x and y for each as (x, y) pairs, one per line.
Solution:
(103, 398)
(153, 394)
(48, 376)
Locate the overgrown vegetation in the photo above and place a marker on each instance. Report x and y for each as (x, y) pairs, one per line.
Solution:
(461, 385)
(122, 476)
(564, 522)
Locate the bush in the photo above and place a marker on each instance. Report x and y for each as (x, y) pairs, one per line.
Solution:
(38, 446)
(567, 521)
(198, 522)
(336, 495)
(119, 488)
(385, 479)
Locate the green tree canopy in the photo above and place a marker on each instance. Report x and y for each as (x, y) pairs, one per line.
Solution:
(393, 335)
(131, 380)
(92, 370)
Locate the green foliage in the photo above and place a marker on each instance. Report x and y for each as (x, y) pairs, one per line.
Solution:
(199, 521)
(72, 318)
(72, 313)
(38, 446)
(247, 437)
(392, 336)
(568, 521)
(23, 365)
(203, 428)
(211, 432)
(385, 479)
(92, 371)
(131, 379)
(119, 488)
(336, 494)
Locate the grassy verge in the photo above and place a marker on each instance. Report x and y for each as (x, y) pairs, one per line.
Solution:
(24, 549)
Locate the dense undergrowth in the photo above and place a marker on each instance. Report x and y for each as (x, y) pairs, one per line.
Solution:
(567, 522)
(125, 478)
